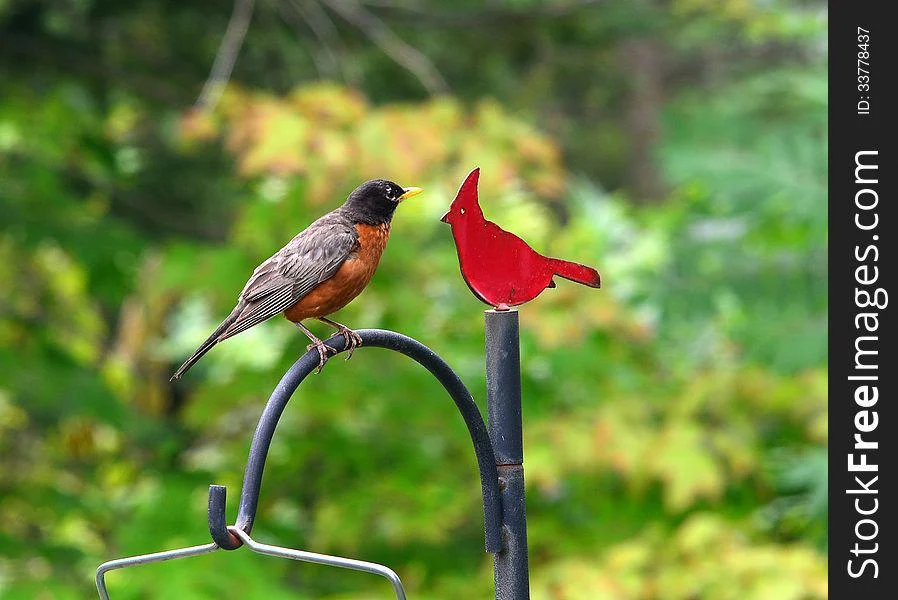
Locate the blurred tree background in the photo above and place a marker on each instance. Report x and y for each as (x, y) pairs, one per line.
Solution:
(675, 421)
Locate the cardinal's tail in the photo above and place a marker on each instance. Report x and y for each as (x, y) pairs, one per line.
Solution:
(577, 272)
(207, 345)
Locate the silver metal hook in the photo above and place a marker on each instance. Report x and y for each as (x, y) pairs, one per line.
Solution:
(145, 559)
(323, 559)
(266, 549)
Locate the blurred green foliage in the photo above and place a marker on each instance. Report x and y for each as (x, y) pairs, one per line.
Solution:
(675, 421)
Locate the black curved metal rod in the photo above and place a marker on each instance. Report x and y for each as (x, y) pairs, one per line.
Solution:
(374, 338)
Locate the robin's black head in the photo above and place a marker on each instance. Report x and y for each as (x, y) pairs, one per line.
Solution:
(374, 201)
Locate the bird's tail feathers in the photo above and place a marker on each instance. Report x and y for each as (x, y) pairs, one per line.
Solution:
(213, 339)
(577, 272)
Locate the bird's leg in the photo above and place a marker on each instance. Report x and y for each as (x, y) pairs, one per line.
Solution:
(324, 351)
(353, 340)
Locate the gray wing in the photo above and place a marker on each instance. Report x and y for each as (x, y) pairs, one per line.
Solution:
(281, 281)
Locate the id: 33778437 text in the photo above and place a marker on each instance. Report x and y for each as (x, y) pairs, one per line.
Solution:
(863, 71)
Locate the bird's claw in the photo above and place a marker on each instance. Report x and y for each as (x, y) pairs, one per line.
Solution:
(353, 340)
(324, 352)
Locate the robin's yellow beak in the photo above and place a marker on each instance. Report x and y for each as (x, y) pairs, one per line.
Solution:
(409, 192)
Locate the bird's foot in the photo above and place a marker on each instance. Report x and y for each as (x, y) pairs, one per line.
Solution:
(324, 353)
(353, 340)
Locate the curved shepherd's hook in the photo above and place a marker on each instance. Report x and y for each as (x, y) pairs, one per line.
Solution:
(376, 338)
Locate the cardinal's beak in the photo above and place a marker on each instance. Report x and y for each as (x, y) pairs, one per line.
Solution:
(409, 192)
(445, 218)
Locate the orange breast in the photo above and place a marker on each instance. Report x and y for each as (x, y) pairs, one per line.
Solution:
(350, 279)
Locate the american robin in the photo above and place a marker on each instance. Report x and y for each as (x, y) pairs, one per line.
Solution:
(498, 266)
(319, 271)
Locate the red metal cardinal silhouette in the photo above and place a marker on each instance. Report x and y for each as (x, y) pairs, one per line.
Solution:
(498, 266)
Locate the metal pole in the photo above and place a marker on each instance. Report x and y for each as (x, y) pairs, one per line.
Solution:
(503, 391)
(372, 338)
